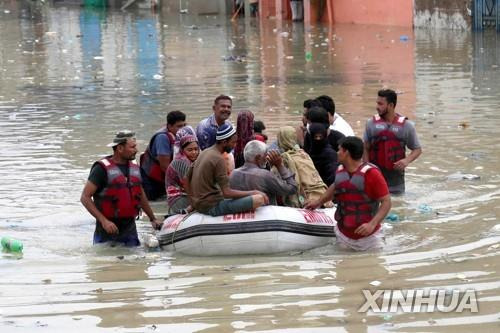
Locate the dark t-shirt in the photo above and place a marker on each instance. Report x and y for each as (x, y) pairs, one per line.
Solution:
(333, 138)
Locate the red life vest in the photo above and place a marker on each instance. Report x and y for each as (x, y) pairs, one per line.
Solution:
(150, 164)
(121, 198)
(387, 145)
(354, 207)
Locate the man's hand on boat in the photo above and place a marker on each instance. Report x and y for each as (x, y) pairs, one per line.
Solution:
(313, 204)
(156, 224)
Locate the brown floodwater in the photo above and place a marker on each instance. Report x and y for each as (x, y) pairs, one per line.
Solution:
(70, 77)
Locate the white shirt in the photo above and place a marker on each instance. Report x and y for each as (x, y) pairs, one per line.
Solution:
(339, 124)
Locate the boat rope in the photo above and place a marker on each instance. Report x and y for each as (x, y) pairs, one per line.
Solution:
(178, 225)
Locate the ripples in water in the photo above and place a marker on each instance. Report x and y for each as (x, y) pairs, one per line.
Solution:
(71, 77)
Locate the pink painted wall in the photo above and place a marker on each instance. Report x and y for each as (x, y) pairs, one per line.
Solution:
(384, 12)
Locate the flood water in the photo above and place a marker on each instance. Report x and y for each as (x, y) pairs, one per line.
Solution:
(71, 77)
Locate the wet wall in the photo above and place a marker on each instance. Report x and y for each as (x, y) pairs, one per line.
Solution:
(443, 14)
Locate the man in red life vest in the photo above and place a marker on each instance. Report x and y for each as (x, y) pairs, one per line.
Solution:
(386, 137)
(158, 155)
(362, 198)
(113, 193)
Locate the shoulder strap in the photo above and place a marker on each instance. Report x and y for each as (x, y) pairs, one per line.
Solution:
(401, 119)
(365, 167)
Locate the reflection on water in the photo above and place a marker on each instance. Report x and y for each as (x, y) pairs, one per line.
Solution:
(70, 77)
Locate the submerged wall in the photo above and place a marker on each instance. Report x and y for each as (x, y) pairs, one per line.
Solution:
(381, 12)
(443, 14)
(434, 14)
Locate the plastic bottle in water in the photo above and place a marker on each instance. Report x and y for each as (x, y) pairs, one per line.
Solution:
(11, 245)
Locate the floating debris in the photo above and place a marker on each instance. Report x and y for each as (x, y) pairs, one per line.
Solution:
(493, 247)
(392, 217)
(463, 176)
(241, 58)
(424, 208)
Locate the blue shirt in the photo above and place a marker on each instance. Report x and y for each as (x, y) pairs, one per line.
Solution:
(161, 146)
(207, 131)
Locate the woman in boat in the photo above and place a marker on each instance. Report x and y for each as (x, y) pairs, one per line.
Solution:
(322, 153)
(244, 128)
(310, 185)
(258, 128)
(175, 177)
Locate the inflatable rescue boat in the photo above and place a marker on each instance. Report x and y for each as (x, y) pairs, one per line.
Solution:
(267, 230)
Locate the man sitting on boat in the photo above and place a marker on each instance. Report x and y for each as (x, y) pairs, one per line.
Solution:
(362, 197)
(253, 175)
(209, 183)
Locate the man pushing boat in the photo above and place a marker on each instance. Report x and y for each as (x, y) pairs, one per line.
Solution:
(362, 198)
(114, 195)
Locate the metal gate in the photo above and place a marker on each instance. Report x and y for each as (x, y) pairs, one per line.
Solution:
(486, 14)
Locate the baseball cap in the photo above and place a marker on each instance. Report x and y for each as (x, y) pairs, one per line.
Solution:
(121, 137)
